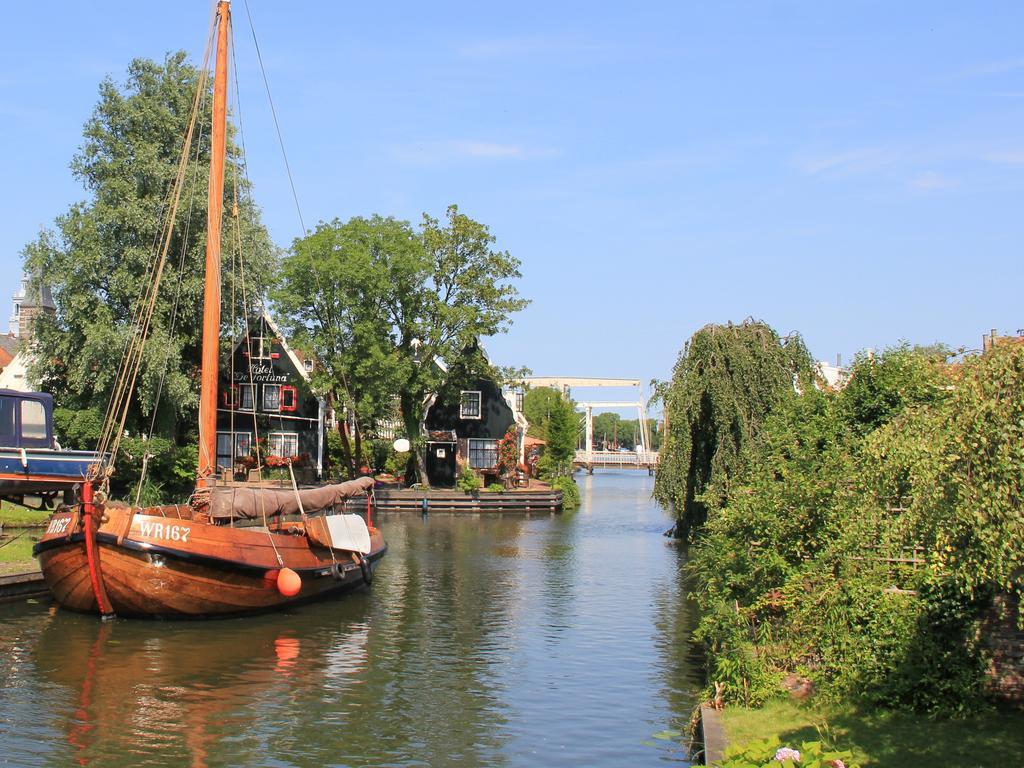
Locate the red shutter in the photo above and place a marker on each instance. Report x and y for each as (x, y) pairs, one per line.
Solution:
(289, 398)
(229, 396)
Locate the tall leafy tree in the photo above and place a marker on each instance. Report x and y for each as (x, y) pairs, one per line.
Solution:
(727, 380)
(98, 255)
(538, 403)
(382, 302)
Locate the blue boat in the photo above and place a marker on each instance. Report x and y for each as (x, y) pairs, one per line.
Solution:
(31, 462)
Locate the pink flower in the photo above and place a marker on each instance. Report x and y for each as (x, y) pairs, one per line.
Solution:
(785, 753)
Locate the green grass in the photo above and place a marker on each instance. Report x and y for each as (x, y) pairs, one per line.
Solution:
(883, 739)
(16, 557)
(17, 515)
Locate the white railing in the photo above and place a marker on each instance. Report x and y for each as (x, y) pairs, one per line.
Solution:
(617, 458)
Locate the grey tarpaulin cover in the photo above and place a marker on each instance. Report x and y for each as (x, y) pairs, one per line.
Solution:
(236, 502)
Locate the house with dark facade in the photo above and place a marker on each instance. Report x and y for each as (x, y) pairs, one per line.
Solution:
(464, 422)
(265, 395)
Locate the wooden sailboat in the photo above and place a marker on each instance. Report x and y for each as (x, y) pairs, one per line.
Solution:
(228, 550)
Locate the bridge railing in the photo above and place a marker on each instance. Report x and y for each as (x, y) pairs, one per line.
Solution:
(617, 458)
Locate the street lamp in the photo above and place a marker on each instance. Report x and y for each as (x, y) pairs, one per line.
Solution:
(416, 344)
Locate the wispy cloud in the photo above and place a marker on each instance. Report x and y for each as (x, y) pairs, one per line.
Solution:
(990, 68)
(845, 161)
(932, 181)
(466, 150)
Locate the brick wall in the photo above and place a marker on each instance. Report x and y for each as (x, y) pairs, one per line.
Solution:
(1005, 643)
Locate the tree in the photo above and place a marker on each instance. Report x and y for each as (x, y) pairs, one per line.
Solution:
(727, 380)
(563, 430)
(341, 290)
(98, 257)
(537, 406)
(383, 302)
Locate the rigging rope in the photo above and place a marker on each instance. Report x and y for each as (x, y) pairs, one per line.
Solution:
(117, 410)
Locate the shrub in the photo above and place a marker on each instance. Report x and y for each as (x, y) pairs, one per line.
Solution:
(770, 753)
(866, 534)
(468, 480)
(570, 493)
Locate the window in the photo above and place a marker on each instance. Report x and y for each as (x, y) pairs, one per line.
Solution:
(226, 457)
(245, 397)
(271, 397)
(483, 454)
(230, 397)
(283, 444)
(33, 421)
(7, 405)
(260, 346)
(289, 398)
(469, 406)
(308, 365)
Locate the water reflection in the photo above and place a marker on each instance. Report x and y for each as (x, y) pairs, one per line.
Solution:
(485, 641)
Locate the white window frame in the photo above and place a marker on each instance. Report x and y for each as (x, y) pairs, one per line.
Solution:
(275, 447)
(493, 447)
(263, 401)
(234, 436)
(479, 404)
(242, 390)
(261, 346)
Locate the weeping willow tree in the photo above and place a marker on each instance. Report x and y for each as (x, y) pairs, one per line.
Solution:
(727, 380)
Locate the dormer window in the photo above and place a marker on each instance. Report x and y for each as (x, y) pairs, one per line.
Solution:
(261, 347)
(469, 405)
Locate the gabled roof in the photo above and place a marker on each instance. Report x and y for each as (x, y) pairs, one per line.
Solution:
(296, 360)
(9, 344)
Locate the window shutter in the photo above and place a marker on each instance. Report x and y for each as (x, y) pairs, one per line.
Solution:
(289, 398)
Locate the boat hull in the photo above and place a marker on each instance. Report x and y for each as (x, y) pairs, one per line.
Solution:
(178, 568)
(32, 471)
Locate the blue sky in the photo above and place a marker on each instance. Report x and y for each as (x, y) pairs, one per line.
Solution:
(853, 172)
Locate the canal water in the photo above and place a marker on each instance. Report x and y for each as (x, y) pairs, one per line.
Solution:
(508, 641)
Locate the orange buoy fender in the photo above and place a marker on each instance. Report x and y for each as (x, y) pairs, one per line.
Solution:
(288, 582)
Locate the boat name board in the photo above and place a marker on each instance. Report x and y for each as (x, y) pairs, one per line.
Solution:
(59, 525)
(165, 531)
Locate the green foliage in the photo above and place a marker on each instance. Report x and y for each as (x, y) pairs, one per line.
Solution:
(537, 405)
(563, 430)
(496, 488)
(765, 753)
(613, 431)
(884, 738)
(867, 534)
(359, 293)
(469, 480)
(570, 491)
(98, 256)
(78, 430)
(727, 380)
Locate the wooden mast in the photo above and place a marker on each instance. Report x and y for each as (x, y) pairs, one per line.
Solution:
(211, 295)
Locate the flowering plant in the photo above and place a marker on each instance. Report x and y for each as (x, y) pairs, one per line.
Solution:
(508, 451)
(771, 753)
